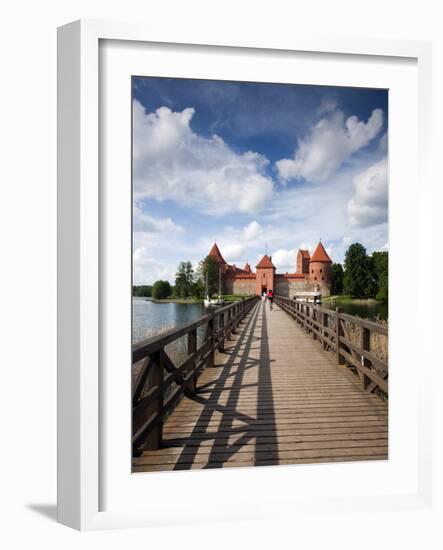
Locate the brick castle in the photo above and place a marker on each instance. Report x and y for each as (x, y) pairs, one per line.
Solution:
(313, 275)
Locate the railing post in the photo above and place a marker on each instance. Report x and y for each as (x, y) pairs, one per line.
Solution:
(156, 376)
(325, 326)
(366, 346)
(221, 329)
(210, 338)
(338, 334)
(228, 335)
(234, 318)
(192, 348)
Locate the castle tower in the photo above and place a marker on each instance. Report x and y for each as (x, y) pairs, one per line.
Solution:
(216, 254)
(265, 271)
(303, 258)
(247, 268)
(320, 266)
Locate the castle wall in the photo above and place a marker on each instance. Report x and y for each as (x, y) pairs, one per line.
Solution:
(289, 288)
(320, 273)
(283, 286)
(243, 286)
(325, 289)
(228, 286)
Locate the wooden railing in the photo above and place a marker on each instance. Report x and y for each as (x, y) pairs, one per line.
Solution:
(330, 328)
(159, 384)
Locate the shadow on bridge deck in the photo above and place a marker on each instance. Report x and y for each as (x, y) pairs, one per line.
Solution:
(273, 397)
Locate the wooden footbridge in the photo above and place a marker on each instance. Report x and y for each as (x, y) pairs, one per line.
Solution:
(252, 386)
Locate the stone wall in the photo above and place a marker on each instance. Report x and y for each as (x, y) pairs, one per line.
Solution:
(243, 286)
(282, 286)
(289, 288)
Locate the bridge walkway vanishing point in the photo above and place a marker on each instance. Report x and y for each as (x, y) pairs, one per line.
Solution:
(274, 396)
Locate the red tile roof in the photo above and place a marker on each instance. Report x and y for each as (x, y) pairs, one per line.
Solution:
(305, 253)
(265, 262)
(216, 254)
(320, 254)
(245, 276)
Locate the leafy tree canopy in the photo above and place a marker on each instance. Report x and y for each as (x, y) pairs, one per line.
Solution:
(208, 275)
(184, 279)
(381, 270)
(161, 290)
(336, 279)
(142, 290)
(359, 280)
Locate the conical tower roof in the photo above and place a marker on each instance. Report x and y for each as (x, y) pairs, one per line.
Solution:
(216, 254)
(320, 254)
(265, 262)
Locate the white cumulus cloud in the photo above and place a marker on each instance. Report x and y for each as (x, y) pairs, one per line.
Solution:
(142, 222)
(252, 231)
(331, 141)
(171, 162)
(285, 259)
(369, 205)
(147, 270)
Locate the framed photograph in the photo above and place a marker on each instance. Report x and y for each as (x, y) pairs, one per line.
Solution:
(236, 220)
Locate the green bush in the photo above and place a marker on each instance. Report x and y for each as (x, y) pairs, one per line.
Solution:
(161, 290)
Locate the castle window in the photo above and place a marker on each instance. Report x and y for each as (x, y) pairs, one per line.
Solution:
(322, 278)
(315, 278)
(320, 270)
(312, 271)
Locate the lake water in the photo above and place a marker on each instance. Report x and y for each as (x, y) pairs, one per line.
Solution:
(370, 311)
(149, 318)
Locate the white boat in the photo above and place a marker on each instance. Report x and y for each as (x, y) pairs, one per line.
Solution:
(212, 302)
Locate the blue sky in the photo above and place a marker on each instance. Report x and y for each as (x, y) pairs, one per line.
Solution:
(249, 163)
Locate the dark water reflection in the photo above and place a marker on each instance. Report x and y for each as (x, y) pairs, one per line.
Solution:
(149, 318)
(370, 311)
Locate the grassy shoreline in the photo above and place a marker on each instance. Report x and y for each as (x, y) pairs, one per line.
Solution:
(228, 298)
(343, 299)
(177, 301)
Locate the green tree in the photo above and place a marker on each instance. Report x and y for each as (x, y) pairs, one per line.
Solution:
(198, 287)
(142, 290)
(184, 279)
(208, 276)
(336, 279)
(380, 262)
(161, 290)
(358, 280)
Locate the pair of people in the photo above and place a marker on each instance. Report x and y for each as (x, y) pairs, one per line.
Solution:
(268, 296)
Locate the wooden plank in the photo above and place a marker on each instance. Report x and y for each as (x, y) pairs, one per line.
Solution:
(311, 460)
(253, 457)
(273, 397)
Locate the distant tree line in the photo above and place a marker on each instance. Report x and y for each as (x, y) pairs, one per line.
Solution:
(189, 283)
(142, 290)
(362, 275)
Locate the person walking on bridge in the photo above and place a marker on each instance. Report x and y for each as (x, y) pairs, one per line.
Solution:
(270, 298)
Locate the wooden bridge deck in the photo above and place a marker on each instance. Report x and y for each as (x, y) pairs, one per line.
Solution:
(273, 397)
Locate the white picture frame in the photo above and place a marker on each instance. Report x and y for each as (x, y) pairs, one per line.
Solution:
(81, 413)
